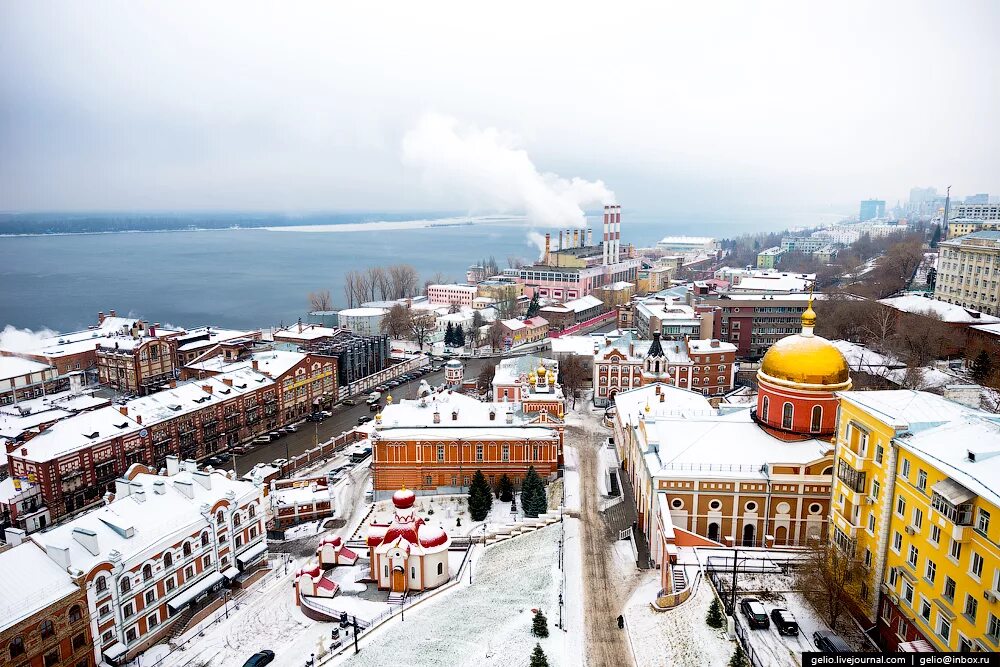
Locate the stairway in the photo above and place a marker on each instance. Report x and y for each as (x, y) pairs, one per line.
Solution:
(180, 623)
(677, 579)
(395, 598)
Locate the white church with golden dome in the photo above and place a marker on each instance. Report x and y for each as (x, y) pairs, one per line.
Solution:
(756, 475)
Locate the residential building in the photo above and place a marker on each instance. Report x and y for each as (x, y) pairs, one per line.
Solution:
(769, 281)
(616, 294)
(628, 362)
(566, 314)
(914, 493)
(520, 332)
(500, 289)
(804, 244)
(356, 356)
(435, 444)
(295, 501)
(975, 211)
(962, 226)
(871, 208)
(754, 322)
(196, 342)
(652, 279)
(44, 616)
(839, 234)
(969, 272)
(979, 198)
(671, 318)
(138, 360)
(160, 547)
(530, 384)
(452, 295)
(767, 258)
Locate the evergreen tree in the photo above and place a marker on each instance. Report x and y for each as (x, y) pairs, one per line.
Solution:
(533, 499)
(714, 618)
(449, 335)
(739, 658)
(505, 490)
(480, 497)
(532, 306)
(982, 367)
(936, 236)
(538, 658)
(459, 337)
(540, 625)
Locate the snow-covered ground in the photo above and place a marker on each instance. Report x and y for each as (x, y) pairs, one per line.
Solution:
(489, 621)
(679, 637)
(775, 649)
(303, 530)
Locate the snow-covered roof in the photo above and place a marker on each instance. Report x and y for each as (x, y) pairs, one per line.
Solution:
(583, 303)
(185, 398)
(633, 402)
(947, 312)
(906, 409)
(82, 430)
(309, 332)
(581, 345)
(861, 358)
(7, 490)
(666, 309)
(773, 282)
(274, 363)
(991, 329)
(471, 412)
(201, 337)
(29, 582)
(14, 367)
(710, 345)
(139, 528)
(687, 240)
(299, 495)
(510, 369)
(444, 433)
(362, 312)
(15, 419)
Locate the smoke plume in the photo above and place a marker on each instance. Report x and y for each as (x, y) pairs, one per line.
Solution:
(13, 339)
(484, 169)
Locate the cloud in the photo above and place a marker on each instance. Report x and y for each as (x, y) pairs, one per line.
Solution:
(484, 169)
(13, 339)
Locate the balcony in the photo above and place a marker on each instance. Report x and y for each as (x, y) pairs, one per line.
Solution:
(853, 479)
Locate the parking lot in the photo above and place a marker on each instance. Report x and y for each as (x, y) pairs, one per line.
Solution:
(772, 648)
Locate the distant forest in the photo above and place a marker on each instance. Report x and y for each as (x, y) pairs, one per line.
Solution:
(12, 224)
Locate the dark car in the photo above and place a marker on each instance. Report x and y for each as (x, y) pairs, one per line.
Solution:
(827, 642)
(754, 610)
(316, 417)
(374, 407)
(259, 659)
(785, 622)
(363, 419)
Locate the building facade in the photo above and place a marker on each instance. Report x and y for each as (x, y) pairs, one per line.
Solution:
(755, 322)
(24, 379)
(962, 226)
(448, 295)
(969, 272)
(520, 332)
(768, 258)
(139, 360)
(871, 208)
(975, 211)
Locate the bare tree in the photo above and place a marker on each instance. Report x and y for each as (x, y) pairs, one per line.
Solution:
(438, 279)
(351, 288)
(320, 301)
(398, 322)
(573, 374)
(495, 335)
(879, 327)
(422, 325)
(830, 578)
(921, 338)
(514, 262)
(484, 381)
(474, 336)
(403, 281)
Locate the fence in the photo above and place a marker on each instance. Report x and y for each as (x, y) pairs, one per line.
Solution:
(323, 451)
(600, 319)
(386, 374)
(741, 634)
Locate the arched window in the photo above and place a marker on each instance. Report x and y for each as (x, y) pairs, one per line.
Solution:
(101, 584)
(16, 647)
(817, 418)
(126, 585)
(440, 568)
(236, 520)
(75, 614)
(763, 408)
(204, 539)
(186, 549)
(168, 559)
(147, 572)
(252, 511)
(220, 517)
(787, 412)
(47, 629)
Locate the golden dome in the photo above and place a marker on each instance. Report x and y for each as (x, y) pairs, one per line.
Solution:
(809, 316)
(805, 362)
(542, 370)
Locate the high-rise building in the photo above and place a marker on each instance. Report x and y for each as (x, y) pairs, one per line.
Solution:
(969, 272)
(871, 208)
(981, 198)
(985, 211)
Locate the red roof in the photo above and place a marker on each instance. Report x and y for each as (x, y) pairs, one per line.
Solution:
(432, 536)
(403, 499)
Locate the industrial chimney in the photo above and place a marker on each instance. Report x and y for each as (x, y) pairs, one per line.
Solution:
(576, 238)
(547, 255)
(606, 245)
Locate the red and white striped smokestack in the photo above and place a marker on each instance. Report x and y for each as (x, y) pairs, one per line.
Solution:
(618, 234)
(547, 255)
(606, 244)
(576, 238)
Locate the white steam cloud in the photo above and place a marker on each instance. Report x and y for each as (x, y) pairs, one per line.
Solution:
(484, 169)
(13, 339)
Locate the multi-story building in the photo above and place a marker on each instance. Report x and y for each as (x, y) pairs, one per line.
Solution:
(77, 459)
(688, 244)
(436, 443)
(529, 330)
(357, 356)
(914, 492)
(803, 244)
(628, 362)
(962, 226)
(650, 279)
(568, 313)
(969, 272)
(163, 544)
(138, 360)
(196, 342)
(364, 321)
(974, 211)
(44, 616)
(754, 322)
(840, 234)
(616, 294)
(871, 208)
(768, 257)
(773, 282)
(671, 318)
(449, 295)
(24, 379)
(500, 289)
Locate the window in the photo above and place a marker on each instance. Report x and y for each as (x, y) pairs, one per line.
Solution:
(505, 453)
(976, 565)
(876, 488)
(763, 408)
(935, 535)
(993, 628)
(252, 511)
(925, 609)
(922, 480)
(944, 628)
(126, 585)
(440, 453)
(900, 505)
(186, 550)
(108, 636)
(787, 412)
(236, 520)
(879, 454)
(931, 572)
(204, 539)
(206, 561)
(871, 522)
(78, 641)
(897, 542)
(16, 647)
(904, 470)
(428, 481)
(239, 541)
(220, 518)
(101, 584)
(901, 628)
(440, 568)
(168, 559)
(817, 418)
(150, 596)
(971, 606)
(130, 635)
(147, 572)
(983, 521)
(892, 576)
(868, 557)
(51, 658)
(188, 572)
(914, 556)
(170, 585)
(918, 518)
(908, 592)
(956, 550)
(75, 614)
(152, 620)
(128, 610)
(949, 588)
(479, 452)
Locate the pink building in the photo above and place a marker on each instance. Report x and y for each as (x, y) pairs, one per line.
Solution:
(447, 295)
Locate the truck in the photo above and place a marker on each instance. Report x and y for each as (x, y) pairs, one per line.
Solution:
(374, 397)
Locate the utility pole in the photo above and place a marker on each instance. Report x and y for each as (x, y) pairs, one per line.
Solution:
(736, 553)
(355, 621)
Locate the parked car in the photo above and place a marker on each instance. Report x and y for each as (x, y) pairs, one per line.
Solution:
(259, 659)
(275, 434)
(363, 419)
(259, 440)
(214, 461)
(754, 610)
(223, 456)
(315, 417)
(350, 401)
(291, 428)
(785, 622)
(277, 463)
(374, 407)
(828, 642)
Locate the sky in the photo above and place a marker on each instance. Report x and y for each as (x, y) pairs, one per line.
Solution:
(666, 107)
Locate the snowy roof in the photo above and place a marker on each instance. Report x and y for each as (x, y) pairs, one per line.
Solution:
(309, 332)
(632, 403)
(861, 358)
(991, 329)
(29, 582)
(583, 303)
(908, 409)
(947, 312)
(666, 309)
(82, 430)
(693, 240)
(299, 495)
(136, 529)
(775, 282)
(471, 412)
(7, 490)
(710, 345)
(510, 369)
(13, 367)
(947, 447)
(13, 424)
(276, 363)
(363, 312)
(581, 345)
(446, 433)
(200, 337)
(28, 414)
(187, 397)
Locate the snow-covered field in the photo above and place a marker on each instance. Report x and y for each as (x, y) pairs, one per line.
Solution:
(679, 637)
(486, 623)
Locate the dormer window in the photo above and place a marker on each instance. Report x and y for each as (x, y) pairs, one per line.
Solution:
(454, 416)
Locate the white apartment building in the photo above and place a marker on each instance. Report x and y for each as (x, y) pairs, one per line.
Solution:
(976, 211)
(969, 272)
(160, 548)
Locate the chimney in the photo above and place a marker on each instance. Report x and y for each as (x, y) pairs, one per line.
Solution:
(227, 381)
(173, 465)
(123, 409)
(715, 342)
(122, 487)
(76, 383)
(108, 497)
(618, 233)
(662, 397)
(590, 237)
(548, 240)
(510, 417)
(159, 487)
(300, 325)
(112, 313)
(185, 487)
(100, 317)
(207, 388)
(139, 495)
(607, 236)
(576, 238)
(203, 478)
(152, 330)
(437, 417)
(59, 554)
(255, 365)
(14, 536)
(561, 240)
(138, 419)
(88, 539)
(569, 239)
(190, 465)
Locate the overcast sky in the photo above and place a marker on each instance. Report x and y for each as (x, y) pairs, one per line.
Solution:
(675, 107)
